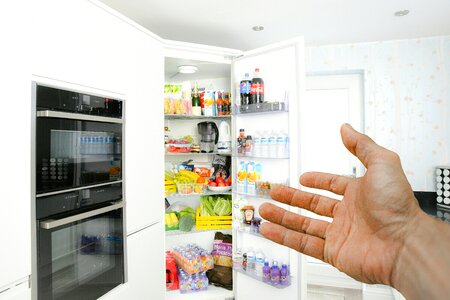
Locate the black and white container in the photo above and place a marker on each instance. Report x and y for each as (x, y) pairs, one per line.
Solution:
(443, 186)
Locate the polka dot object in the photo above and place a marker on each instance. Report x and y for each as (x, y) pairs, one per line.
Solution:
(443, 186)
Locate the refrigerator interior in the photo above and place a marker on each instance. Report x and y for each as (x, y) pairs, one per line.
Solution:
(211, 76)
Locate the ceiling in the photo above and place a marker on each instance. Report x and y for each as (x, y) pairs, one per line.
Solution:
(228, 23)
(206, 70)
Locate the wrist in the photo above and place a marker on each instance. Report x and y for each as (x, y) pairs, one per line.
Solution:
(420, 269)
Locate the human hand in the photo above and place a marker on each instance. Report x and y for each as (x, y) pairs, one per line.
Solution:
(367, 233)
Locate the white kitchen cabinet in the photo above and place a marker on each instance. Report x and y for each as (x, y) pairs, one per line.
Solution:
(87, 44)
(17, 291)
(15, 151)
(145, 262)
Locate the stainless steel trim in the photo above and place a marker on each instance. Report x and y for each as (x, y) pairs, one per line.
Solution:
(49, 224)
(77, 189)
(73, 116)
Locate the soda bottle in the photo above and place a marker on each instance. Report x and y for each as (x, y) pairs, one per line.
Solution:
(226, 104)
(220, 104)
(245, 88)
(257, 88)
(196, 107)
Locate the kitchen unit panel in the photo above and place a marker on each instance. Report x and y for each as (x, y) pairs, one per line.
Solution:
(145, 266)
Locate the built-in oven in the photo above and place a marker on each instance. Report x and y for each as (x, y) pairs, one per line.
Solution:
(80, 242)
(79, 139)
(78, 200)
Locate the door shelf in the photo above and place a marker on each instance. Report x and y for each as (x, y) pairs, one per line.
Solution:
(246, 230)
(190, 117)
(252, 196)
(278, 286)
(260, 108)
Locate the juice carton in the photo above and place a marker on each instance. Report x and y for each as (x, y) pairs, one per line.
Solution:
(241, 185)
(251, 178)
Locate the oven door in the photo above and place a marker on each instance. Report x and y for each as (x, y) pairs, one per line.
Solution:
(81, 256)
(75, 150)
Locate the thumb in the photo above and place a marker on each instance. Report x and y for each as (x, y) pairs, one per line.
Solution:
(360, 145)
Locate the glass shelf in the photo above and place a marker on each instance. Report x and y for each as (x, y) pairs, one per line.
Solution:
(208, 193)
(246, 230)
(252, 196)
(278, 286)
(193, 231)
(196, 154)
(260, 108)
(253, 156)
(190, 117)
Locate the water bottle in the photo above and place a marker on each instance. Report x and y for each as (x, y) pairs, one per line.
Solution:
(264, 144)
(266, 271)
(82, 145)
(281, 144)
(257, 144)
(272, 141)
(89, 144)
(259, 263)
(275, 273)
(110, 144)
(251, 260)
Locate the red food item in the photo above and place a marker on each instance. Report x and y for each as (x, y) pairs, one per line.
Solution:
(219, 180)
(227, 184)
(221, 184)
(212, 184)
(229, 180)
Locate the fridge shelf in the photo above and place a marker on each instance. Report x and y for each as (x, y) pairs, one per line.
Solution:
(175, 196)
(260, 108)
(212, 292)
(190, 117)
(246, 230)
(174, 233)
(278, 286)
(252, 196)
(253, 156)
(196, 154)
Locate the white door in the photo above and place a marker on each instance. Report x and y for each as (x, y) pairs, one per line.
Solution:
(330, 101)
(282, 69)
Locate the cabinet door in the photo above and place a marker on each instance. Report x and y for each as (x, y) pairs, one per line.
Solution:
(145, 260)
(282, 69)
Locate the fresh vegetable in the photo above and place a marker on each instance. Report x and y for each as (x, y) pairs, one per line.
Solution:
(187, 222)
(217, 205)
(171, 221)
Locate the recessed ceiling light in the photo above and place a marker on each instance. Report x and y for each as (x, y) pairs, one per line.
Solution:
(258, 28)
(401, 13)
(186, 69)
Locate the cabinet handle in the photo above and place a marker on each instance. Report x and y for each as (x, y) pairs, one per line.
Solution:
(73, 116)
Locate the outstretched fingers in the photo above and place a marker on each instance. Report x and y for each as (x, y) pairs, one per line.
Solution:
(290, 220)
(304, 243)
(318, 204)
(325, 181)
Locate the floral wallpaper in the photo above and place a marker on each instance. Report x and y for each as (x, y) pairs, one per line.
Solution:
(407, 97)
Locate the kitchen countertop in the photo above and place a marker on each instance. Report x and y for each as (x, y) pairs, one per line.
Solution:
(427, 202)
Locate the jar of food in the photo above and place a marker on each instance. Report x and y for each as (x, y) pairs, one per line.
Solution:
(249, 213)
(254, 225)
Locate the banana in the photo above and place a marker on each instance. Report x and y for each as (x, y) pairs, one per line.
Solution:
(192, 175)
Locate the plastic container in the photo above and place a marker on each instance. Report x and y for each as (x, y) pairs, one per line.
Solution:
(211, 223)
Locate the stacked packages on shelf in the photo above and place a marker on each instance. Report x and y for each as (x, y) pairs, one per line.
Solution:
(193, 262)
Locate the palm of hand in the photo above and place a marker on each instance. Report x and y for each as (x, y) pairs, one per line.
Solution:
(365, 237)
(365, 228)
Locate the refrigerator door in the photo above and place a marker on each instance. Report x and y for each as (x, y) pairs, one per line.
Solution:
(281, 67)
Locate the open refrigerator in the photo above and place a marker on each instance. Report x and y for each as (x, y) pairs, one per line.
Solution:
(282, 70)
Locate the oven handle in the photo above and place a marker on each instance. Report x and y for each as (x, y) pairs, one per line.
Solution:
(50, 224)
(73, 116)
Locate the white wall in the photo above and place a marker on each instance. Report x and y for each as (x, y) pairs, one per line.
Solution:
(407, 97)
(85, 45)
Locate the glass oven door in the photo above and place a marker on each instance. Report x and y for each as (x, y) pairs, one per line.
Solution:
(81, 256)
(74, 150)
